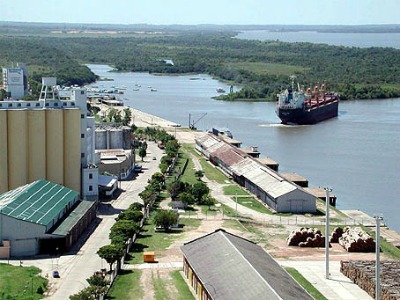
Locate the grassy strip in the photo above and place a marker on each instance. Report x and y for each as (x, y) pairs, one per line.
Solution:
(21, 282)
(126, 286)
(160, 291)
(181, 286)
(234, 189)
(209, 170)
(252, 203)
(305, 284)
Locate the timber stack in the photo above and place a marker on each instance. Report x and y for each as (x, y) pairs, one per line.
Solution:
(356, 240)
(363, 274)
(306, 237)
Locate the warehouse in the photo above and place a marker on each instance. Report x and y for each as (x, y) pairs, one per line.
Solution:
(277, 192)
(43, 217)
(221, 265)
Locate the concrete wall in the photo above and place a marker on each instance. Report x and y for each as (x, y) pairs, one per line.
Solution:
(36, 144)
(55, 146)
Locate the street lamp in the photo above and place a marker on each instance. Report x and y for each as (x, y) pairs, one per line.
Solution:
(377, 253)
(328, 190)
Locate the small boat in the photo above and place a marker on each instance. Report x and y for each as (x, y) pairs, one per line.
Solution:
(136, 89)
(153, 90)
(220, 90)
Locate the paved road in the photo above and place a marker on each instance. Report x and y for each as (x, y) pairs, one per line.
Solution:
(74, 269)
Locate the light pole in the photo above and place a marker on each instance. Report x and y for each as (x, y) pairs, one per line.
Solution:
(377, 253)
(236, 207)
(328, 190)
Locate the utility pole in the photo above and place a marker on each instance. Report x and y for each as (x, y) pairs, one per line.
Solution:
(327, 200)
(236, 207)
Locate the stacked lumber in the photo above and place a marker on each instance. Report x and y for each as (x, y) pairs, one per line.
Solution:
(306, 237)
(356, 240)
(363, 274)
(336, 234)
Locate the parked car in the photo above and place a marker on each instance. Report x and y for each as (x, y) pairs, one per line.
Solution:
(56, 274)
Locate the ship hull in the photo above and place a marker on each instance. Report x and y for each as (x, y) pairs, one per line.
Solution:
(307, 117)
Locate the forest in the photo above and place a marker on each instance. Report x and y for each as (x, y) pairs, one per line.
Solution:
(262, 69)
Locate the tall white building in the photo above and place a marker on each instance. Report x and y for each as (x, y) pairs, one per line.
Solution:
(15, 81)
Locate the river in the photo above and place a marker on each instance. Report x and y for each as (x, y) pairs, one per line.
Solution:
(355, 154)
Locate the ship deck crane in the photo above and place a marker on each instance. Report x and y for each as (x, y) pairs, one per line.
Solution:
(192, 123)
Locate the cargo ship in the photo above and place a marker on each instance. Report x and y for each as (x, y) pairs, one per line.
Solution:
(305, 108)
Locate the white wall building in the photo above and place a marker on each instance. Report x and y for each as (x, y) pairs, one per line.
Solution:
(15, 81)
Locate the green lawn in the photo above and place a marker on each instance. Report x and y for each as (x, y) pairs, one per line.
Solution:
(180, 284)
(21, 282)
(149, 240)
(234, 189)
(126, 286)
(252, 203)
(305, 284)
(209, 170)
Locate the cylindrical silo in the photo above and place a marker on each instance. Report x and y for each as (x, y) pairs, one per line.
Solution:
(72, 149)
(55, 145)
(3, 152)
(126, 135)
(115, 138)
(17, 121)
(101, 138)
(36, 144)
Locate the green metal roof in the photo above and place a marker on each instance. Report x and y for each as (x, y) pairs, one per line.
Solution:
(39, 202)
(73, 218)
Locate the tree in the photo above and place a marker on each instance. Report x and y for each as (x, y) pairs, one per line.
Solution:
(124, 227)
(186, 198)
(199, 174)
(165, 218)
(142, 152)
(208, 200)
(136, 206)
(130, 215)
(171, 148)
(111, 253)
(127, 117)
(199, 189)
(176, 188)
(97, 280)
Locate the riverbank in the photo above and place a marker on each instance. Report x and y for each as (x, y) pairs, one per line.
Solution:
(186, 136)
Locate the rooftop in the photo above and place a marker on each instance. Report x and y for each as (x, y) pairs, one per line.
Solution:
(231, 267)
(38, 202)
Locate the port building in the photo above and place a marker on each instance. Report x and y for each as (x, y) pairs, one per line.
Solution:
(42, 217)
(221, 265)
(48, 139)
(15, 81)
(276, 191)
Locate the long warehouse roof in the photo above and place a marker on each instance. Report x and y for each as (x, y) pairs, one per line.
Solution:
(38, 202)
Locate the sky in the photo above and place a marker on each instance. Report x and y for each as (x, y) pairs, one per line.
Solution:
(189, 12)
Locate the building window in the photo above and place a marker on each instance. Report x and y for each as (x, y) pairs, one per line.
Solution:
(82, 116)
(82, 155)
(82, 92)
(90, 188)
(28, 104)
(64, 103)
(9, 104)
(19, 104)
(37, 104)
(90, 176)
(82, 135)
(56, 104)
(72, 103)
(1, 105)
(47, 104)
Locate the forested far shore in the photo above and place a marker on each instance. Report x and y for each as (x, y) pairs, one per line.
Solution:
(262, 69)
